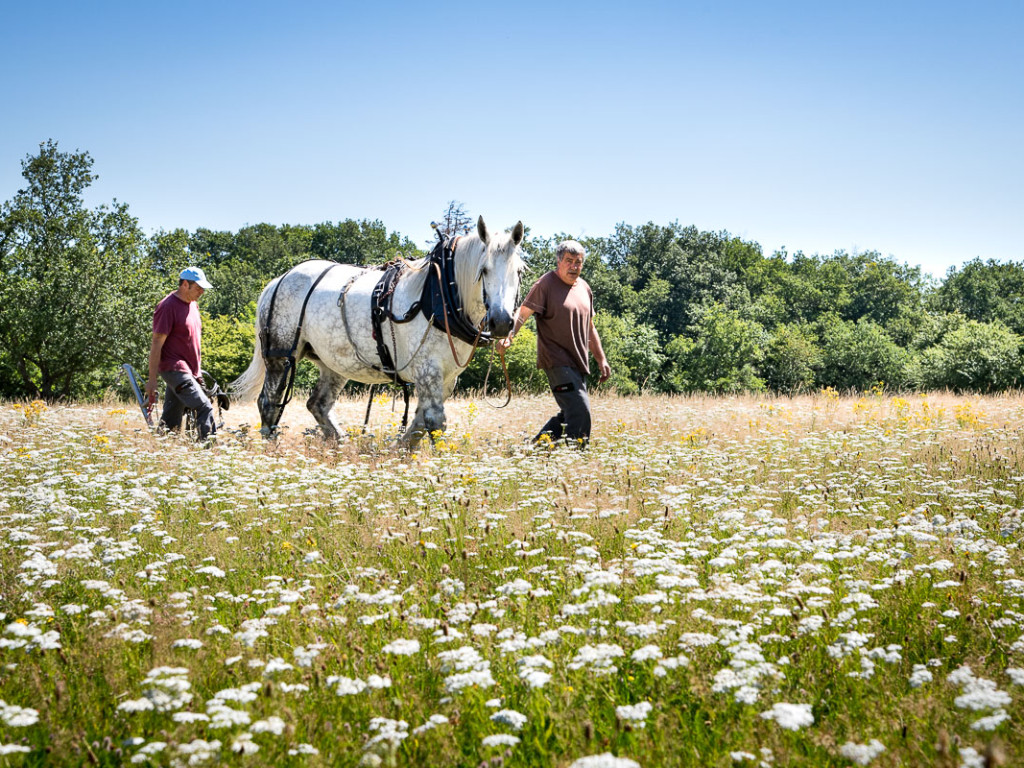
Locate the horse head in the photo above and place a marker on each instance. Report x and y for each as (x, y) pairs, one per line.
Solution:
(495, 273)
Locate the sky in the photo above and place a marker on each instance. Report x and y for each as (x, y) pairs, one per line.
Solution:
(806, 126)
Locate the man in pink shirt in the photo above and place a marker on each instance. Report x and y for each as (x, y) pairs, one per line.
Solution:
(175, 355)
(564, 307)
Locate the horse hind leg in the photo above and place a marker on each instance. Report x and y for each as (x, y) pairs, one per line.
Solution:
(272, 395)
(322, 399)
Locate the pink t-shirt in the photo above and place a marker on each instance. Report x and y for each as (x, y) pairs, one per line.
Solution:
(181, 322)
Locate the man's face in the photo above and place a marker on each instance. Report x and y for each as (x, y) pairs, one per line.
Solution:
(569, 267)
(193, 290)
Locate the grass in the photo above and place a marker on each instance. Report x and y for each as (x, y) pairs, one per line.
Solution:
(810, 581)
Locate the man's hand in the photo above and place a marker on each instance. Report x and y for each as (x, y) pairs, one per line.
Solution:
(504, 344)
(151, 396)
(606, 371)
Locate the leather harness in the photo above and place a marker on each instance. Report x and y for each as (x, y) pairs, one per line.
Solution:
(439, 302)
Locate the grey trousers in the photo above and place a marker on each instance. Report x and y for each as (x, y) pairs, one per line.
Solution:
(183, 391)
(572, 422)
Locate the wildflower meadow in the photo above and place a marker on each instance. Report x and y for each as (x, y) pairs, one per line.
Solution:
(748, 581)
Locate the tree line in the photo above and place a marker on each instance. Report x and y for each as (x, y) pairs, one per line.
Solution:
(679, 310)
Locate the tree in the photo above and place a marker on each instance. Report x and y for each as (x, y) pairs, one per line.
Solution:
(979, 357)
(359, 242)
(986, 291)
(454, 221)
(228, 343)
(633, 351)
(76, 289)
(790, 359)
(881, 289)
(860, 355)
(669, 275)
(722, 355)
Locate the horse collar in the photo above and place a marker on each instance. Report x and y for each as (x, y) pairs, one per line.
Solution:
(441, 296)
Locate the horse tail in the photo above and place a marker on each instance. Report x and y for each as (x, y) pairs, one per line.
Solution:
(248, 386)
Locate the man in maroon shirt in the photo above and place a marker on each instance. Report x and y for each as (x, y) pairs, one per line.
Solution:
(564, 306)
(175, 355)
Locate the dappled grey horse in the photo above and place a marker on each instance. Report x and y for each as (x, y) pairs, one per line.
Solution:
(324, 310)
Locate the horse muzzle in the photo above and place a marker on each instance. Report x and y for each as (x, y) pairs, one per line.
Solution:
(499, 323)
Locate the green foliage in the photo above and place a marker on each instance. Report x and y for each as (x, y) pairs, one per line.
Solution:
(633, 352)
(978, 357)
(359, 242)
(76, 286)
(668, 273)
(228, 344)
(880, 289)
(791, 357)
(986, 292)
(859, 355)
(723, 354)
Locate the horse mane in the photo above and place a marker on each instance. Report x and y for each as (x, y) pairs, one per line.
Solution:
(469, 258)
(467, 267)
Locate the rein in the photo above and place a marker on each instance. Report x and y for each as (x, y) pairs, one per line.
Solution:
(508, 380)
(448, 330)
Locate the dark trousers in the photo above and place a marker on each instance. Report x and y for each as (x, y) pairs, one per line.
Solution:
(184, 391)
(572, 422)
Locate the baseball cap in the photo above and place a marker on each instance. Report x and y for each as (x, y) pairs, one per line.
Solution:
(196, 275)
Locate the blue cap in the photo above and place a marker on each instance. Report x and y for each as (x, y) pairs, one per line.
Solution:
(197, 276)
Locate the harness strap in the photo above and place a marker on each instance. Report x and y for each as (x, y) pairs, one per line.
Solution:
(441, 297)
(406, 393)
(448, 332)
(380, 309)
(269, 353)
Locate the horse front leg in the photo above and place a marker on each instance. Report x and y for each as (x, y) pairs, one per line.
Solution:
(430, 416)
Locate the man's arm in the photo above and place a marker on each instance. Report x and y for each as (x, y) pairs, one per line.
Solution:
(154, 364)
(522, 315)
(598, 352)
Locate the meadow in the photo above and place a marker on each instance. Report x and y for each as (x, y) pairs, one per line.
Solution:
(822, 581)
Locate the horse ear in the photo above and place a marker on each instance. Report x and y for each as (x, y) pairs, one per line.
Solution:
(517, 233)
(481, 229)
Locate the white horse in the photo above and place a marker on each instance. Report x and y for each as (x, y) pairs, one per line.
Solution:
(337, 334)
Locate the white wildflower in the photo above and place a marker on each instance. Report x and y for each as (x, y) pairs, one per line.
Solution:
(244, 745)
(920, 676)
(606, 760)
(402, 647)
(346, 686)
(500, 740)
(790, 716)
(18, 717)
(991, 722)
(634, 713)
(862, 754)
(272, 724)
(647, 653)
(511, 718)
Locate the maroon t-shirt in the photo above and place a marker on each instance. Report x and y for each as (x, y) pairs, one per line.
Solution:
(563, 315)
(181, 322)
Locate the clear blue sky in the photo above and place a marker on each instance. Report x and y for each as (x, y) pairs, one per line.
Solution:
(889, 126)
